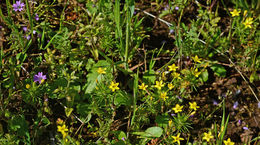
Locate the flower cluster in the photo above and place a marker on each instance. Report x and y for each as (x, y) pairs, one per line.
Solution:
(18, 6)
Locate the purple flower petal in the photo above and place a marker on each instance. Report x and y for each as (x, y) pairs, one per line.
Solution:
(39, 77)
(18, 6)
(36, 17)
(235, 105)
(25, 29)
(245, 128)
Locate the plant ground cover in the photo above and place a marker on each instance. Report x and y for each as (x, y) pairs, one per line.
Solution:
(129, 72)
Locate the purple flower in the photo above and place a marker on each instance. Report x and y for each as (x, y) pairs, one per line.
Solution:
(215, 102)
(39, 35)
(39, 77)
(235, 105)
(245, 128)
(171, 31)
(34, 32)
(1, 27)
(25, 29)
(176, 8)
(28, 37)
(258, 105)
(18, 6)
(239, 122)
(123, 138)
(36, 17)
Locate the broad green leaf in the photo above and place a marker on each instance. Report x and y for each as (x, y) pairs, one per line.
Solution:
(68, 111)
(154, 132)
(204, 76)
(162, 120)
(149, 77)
(219, 70)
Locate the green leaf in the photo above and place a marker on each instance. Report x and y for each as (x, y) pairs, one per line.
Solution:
(18, 124)
(154, 132)
(68, 111)
(150, 132)
(162, 120)
(122, 98)
(149, 77)
(219, 70)
(204, 76)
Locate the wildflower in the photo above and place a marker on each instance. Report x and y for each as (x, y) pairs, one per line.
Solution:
(25, 29)
(207, 136)
(196, 73)
(248, 22)
(164, 96)
(235, 13)
(177, 108)
(159, 85)
(28, 37)
(18, 6)
(28, 86)
(39, 77)
(171, 31)
(192, 113)
(193, 106)
(173, 67)
(196, 59)
(215, 102)
(59, 121)
(177, 139)
(258, 105)
(123, 138)
(170, 86)
(245, 128)
(176, 75)
(239, 122)
(170, 122)
(114, 86)
(101, 70)
(176, 8)
(245, 12)
(63, 130)
(36, 17)
(34, 32)
(142, 86)
(235, 105)
(228, 142)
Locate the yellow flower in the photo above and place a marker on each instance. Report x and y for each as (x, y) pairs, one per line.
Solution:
(170, 86)
(196, 59)
(173, 67)
(177, 139)
(63, 130)
(28, 86)
(177, 108)
(245, 12)
(114, 86)
(176, 75)
(159, 85)
(207, 136)
(164, 96)
(142, 86)
(59, 121)
(248, 22)
(196, 73)
(228, 142)
(170, 122)
(193, 106)
(101, 70)
(235, 13)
